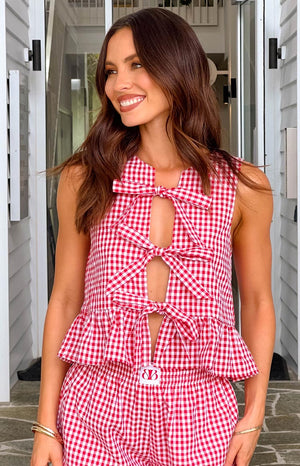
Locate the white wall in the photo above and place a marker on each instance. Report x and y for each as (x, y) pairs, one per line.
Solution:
(212, 38)
(27, 255)
(289, 230)
(90, 37)
(17, 37)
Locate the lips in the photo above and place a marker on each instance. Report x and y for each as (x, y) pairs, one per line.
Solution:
(129, 102)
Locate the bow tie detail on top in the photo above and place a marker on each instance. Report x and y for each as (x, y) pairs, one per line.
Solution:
(171, 256)
(176, 195)
(185, 325)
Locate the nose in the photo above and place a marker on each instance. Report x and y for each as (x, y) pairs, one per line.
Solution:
(122, 81)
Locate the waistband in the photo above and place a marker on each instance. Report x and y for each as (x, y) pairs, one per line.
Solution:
(175, 376)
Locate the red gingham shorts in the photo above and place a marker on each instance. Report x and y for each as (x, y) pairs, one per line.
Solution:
(107, 417)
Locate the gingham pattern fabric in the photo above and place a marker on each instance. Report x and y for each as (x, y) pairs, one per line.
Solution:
(198, 329)
(107, 418)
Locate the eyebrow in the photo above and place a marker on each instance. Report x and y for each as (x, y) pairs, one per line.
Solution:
(127, 59)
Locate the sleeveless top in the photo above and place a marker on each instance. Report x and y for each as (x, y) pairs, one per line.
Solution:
(198, 328)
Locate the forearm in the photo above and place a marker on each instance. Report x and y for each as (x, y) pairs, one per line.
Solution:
(258, 331)
(58, 320)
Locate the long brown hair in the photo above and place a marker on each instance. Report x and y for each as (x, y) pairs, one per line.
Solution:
(170, 52)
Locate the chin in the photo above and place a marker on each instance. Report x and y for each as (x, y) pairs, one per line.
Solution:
(130, 122)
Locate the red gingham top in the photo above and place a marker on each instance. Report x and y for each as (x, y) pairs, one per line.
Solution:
(198, 329)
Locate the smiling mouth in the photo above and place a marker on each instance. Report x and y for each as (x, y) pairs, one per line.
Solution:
(131, 102)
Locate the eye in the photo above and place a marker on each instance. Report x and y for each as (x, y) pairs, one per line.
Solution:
(136, 65)
(109, 72)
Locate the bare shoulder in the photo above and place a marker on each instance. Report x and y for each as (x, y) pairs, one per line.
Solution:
(70, 181)
(71, 178)
(72, 246)
(256, 175)
(258, 197)
(253, 203)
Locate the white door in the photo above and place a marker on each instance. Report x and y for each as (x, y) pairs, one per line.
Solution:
(260, 118)
(252, 104)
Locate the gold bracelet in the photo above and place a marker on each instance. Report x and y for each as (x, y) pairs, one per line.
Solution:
(37, 427)
(253, 429)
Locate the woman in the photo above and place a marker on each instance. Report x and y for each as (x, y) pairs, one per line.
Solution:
(150, 211)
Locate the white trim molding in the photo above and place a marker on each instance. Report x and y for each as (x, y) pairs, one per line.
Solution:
(108, 14)
(298, 170)
(4, 286)
(272, 150)
(260, 82)
(37, 166)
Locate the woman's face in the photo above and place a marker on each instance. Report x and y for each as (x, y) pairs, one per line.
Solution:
(133, 93)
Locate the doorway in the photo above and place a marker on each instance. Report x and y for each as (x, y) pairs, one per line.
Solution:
(75, 31)
(74, 35)
(252, 100)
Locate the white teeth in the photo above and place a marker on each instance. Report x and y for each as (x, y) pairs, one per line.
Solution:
(126, 103)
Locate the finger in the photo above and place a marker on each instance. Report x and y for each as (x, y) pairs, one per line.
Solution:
(231, 456)
(39, 462)
(232, 453)
(242, 462)
(243, 457)
(57, 460)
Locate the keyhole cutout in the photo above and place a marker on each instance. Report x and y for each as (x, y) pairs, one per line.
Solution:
(161, 234)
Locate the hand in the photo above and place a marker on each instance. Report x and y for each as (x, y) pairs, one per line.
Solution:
(45, 450)
(242, 446)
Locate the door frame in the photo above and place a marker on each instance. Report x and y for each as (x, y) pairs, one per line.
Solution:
(260, 60)
(108, 11)
(268, 124)
(37, 167)
(259, 152)
(4, 275)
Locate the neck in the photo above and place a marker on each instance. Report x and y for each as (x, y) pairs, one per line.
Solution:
(157, 149)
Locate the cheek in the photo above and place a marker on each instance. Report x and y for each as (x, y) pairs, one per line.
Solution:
(162, 100)
(156, 93)
(110, 94)
(144, 82)
(108, 89)
(166, 103)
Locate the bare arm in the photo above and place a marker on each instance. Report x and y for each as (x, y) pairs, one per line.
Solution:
(65, 302)
(252, 258)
